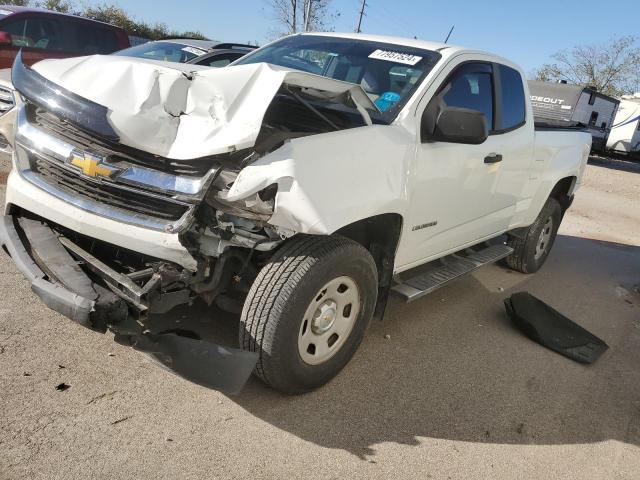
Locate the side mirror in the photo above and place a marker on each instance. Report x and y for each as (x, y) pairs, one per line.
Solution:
(456, 125)
(5, 39)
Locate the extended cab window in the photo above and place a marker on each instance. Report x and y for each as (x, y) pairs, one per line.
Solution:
(471, 86)
(513, 101)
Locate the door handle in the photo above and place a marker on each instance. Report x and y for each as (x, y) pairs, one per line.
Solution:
(493, 158)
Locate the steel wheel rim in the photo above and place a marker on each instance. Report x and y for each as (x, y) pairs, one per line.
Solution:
(328, 320)
(544, 239)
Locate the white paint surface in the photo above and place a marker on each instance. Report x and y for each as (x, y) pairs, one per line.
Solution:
(184, 111)
(327, 181)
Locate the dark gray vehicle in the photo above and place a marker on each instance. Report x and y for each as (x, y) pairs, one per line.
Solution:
(560, 104)
(211, 53)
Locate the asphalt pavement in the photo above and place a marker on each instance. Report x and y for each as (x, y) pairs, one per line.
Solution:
(444, 387)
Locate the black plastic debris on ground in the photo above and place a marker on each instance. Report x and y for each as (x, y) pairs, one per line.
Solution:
(550, 328)
(62, 387)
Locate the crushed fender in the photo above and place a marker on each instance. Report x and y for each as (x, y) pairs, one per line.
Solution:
(551, 329)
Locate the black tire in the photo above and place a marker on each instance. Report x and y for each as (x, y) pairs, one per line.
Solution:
(526, 256)
(273, 312)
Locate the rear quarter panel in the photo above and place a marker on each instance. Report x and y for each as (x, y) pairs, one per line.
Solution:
(558, 154)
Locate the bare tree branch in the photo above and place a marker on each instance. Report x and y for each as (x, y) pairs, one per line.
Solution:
(612, 69)
(291, 15)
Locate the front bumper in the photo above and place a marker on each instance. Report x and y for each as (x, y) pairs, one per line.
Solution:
(96, 310)
(28, 196)
(63, 286)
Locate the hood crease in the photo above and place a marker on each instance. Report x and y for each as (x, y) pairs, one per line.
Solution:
(183, 111)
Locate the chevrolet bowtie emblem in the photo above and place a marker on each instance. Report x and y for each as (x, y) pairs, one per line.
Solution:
(91, 165)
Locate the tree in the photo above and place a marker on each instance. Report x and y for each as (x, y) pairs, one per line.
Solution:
(117, 16)
(17, 3)
(56, 5)
(109, 14)
(613, 69)
(291, 15)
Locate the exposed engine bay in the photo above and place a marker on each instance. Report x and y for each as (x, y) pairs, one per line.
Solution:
(188, 147)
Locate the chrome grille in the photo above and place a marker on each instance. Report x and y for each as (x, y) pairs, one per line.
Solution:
(108, 194)
(131, 194)
(7, 102)
(115, 151)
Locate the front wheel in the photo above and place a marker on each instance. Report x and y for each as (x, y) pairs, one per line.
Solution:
(308, 310)
(531, 251)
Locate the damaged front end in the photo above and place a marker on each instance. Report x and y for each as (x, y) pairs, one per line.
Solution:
(146, 170)
(74, 282)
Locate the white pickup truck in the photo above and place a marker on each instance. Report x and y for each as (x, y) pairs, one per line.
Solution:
(299, 186)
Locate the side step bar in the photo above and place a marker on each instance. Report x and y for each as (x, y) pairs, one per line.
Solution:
(453, 266)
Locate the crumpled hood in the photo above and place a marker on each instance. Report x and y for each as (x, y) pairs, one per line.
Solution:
(184, 111)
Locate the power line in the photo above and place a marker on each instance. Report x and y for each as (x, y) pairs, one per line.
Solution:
(406, 27)
(362, 7)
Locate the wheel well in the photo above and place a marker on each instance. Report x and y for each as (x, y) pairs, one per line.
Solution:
(380, 235)
(562, 192)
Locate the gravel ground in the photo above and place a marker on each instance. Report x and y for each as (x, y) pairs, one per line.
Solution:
(454, 392)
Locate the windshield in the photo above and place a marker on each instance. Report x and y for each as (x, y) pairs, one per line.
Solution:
(388, 73)
(165, 51)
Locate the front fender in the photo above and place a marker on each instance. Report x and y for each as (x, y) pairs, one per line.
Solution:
(330, 180)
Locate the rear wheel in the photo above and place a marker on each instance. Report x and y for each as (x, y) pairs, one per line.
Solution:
(307, 311)
(531, 251)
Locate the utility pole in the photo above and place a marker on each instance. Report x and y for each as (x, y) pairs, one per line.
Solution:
(307, 15)
(362, 7)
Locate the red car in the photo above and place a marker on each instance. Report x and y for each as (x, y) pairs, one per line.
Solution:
(46, 34)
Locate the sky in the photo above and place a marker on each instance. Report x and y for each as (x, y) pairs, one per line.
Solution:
(526, 32)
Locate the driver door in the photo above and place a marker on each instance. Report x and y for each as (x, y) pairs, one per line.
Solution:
(454, 198)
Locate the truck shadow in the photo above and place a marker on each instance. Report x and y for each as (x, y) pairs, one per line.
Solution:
(455, 368)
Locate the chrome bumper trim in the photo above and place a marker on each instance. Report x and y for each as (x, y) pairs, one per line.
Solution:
(112, 213)
(182, 187)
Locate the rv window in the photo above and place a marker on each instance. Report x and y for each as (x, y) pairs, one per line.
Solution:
(593, 119)
(592, 98)
(513, 101)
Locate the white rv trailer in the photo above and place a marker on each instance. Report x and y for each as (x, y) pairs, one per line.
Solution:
(563, 104)
(625, 132)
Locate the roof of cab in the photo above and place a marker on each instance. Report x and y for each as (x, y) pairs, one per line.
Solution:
(445, 49)
(408, 42)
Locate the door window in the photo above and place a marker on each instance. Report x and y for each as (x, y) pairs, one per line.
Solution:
(91, 40)
(49, 34)
(39, 32)
(471, 88)
(18, 31)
